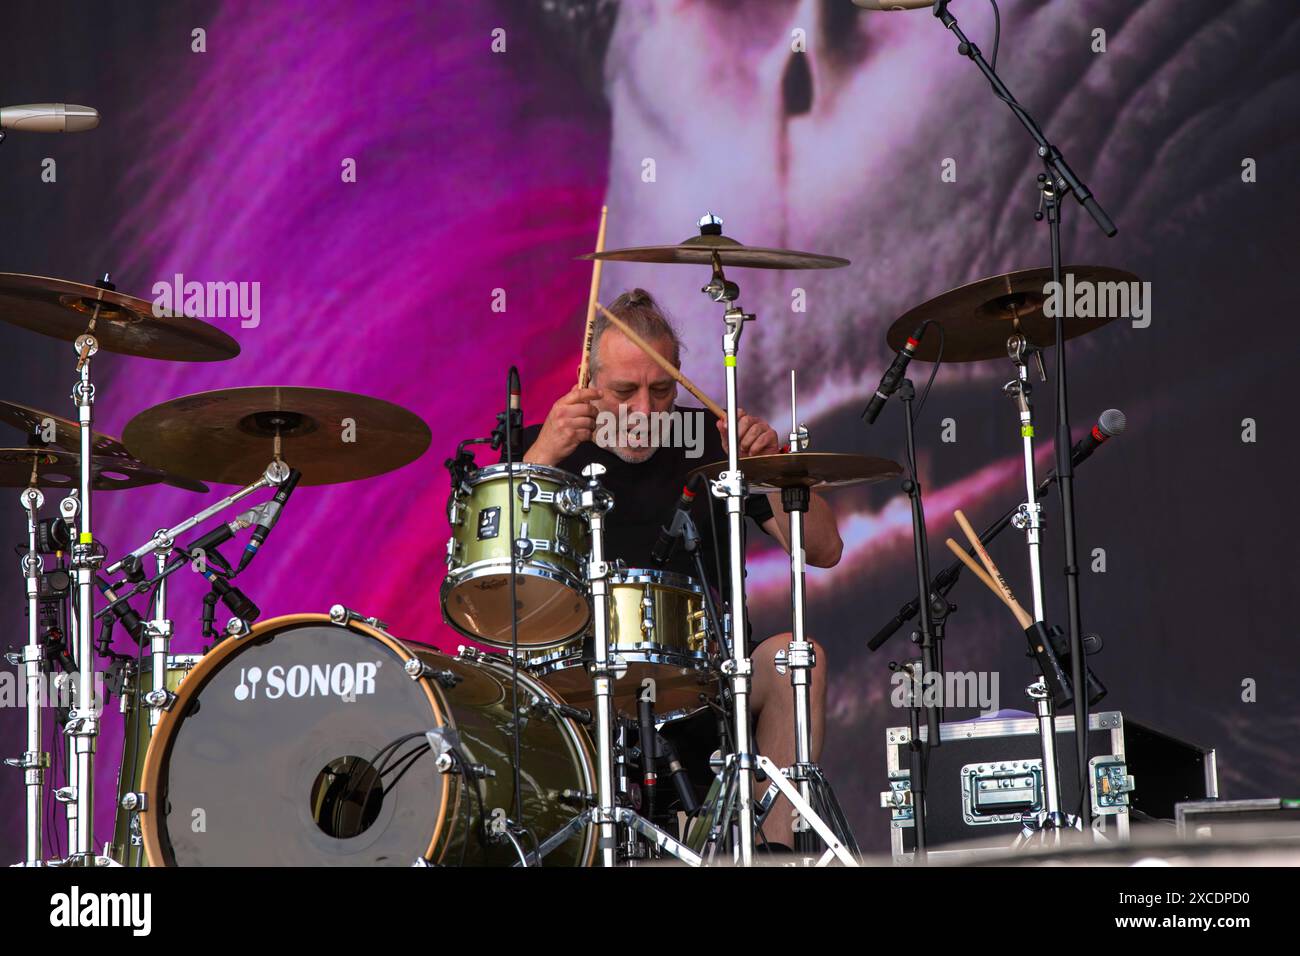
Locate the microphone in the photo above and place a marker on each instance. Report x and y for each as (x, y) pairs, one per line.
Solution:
(516, 424)
(123, 612)
(233, 598)
(267, 515)
(893, 376)
(1112, 422)
(49, 118)
(669, 533)
(219, 535)
(888, 5)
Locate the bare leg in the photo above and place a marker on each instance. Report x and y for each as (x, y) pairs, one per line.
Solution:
(772, 709)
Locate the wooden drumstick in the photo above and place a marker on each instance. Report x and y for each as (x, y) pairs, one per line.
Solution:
(992, 568)
(1021, 617)
(584, 370)
(663, 363)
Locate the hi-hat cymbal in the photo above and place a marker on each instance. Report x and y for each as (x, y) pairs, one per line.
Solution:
(810, 469)
(56, 468)
(125, 324)
(228, 436)
(700, 250)
(978, 318)
(67, 436)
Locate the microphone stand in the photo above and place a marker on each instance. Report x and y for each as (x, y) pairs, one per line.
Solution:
(1058, 180)
(933, 615)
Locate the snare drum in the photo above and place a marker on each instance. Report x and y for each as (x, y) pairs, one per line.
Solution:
(657, 627)
(324, 741)
(551, 592)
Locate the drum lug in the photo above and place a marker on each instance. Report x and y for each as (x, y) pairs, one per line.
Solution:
(466, 653)
(453, 551)
(456, 511)
(134, 801)
(648, 614)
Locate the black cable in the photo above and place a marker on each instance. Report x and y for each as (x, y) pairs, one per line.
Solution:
(934, 370)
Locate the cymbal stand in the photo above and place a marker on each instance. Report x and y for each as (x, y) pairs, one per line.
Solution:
(800, 659)
(1029, 519)
(83, 719)
(739, 669)
(35, 761)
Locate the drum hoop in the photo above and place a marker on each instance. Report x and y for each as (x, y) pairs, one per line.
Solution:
(523, 469)
(161, 741)
(667, 579)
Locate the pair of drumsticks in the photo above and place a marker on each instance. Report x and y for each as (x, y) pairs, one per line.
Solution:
(989, 574)
(593, 304)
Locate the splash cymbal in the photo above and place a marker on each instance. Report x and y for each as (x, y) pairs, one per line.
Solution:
(125, 325)
(228, 436)
(67, 436)
(978, 318)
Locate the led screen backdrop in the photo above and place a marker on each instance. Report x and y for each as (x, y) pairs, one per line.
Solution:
(408, 185)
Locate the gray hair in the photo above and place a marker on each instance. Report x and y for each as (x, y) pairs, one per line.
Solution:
(643, 316)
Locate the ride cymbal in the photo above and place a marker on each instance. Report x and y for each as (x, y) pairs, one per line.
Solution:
(228, 436)
(978, 318)
(67, 436)
(810, 469)
(125, 325)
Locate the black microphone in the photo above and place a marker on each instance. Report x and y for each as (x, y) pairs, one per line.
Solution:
(233, 598)
(218, 535)
(669, 533)
(515, 425)
(267, 517)
(1112, 422)
(123, 612)
(893, 376)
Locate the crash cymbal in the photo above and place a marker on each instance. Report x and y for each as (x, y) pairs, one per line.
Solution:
(811, 469)
(978, 318)
(228, 436)
(67, 436)
(125, 324)
(56, 468)
(700, 250)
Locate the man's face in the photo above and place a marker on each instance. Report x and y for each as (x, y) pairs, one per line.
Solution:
(630, 378)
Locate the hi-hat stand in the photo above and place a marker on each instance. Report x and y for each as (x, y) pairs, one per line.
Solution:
(799, 658)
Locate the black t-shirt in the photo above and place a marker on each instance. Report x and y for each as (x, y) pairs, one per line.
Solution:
(645, 497)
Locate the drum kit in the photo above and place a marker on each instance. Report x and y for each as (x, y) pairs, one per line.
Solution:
(284, 742)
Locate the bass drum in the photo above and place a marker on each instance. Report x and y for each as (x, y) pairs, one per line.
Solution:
(306, 743)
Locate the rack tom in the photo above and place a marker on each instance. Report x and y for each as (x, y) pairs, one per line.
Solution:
(552, 547)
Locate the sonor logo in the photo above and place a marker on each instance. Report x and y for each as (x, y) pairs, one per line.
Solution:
(319, 680)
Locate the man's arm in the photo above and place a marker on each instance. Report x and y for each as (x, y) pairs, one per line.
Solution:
(821, 533)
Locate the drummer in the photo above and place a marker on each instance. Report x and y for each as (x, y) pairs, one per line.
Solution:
(646, 479)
